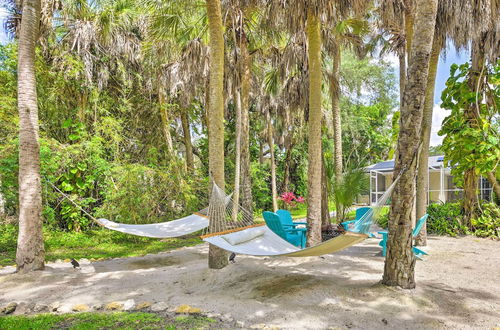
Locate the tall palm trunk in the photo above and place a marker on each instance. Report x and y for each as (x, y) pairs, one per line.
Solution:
(165, 120)
(471, 180)
(237, 160)
(30, 250)
(336, 119)
(325, 212)
(217, 257)
(315, 116)
(270, 142)
(246, 180)
(423, 161)
(188, 145)
(399, 267)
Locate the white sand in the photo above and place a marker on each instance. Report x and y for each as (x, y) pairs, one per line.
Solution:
(458, 287)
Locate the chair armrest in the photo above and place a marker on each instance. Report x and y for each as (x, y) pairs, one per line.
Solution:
(296, 230)
(348, 222)
(384, 234)
(300, 223)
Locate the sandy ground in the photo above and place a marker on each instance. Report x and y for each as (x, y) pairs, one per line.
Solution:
(458, 287)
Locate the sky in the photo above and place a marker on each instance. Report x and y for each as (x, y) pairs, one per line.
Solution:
(442, 74)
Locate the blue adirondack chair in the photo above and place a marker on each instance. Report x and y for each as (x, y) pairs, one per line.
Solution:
(359, 213)
(286, 219)
(295, 236)
(416, 230)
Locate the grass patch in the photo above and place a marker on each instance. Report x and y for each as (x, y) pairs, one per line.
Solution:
(93, 244)
(119, 320)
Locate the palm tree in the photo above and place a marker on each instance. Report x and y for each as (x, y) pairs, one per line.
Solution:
(30, 249)
(400, 261)
(313, 30)
(422, 184)
(217, 258)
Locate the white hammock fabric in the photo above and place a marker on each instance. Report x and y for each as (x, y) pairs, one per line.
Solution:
(175, 228)
(270, 244)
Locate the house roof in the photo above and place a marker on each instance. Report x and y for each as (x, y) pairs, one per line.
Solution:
(388, 165)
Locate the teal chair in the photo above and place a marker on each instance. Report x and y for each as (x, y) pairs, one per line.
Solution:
(286, 219)
(418, 253)
(295, 236)
(359, 213)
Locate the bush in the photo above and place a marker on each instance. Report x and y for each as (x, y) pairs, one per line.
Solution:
(488, 223)
(444, 219)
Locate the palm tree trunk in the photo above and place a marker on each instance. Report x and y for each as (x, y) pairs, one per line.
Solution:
(336, 119)
(270, 142)
(165, 120)
(399, 267)
(188, 145)
(30, 253)
(237, 161)
(315, 116)
(471, 180)
(246, 179)
(325, 212)
(217, 257)
(423, 162)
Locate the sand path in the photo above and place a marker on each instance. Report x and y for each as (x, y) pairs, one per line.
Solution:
(458, 287)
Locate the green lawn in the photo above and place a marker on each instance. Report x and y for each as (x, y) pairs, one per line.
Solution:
(94, 244)
(119, 320)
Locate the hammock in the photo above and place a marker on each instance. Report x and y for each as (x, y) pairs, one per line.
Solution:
(260, 240)
(267, 243)
(175, 228)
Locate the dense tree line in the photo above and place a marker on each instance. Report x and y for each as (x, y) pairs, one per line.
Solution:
(142, 105)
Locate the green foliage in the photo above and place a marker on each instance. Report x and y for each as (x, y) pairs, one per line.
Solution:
(487, 224)
(346, 190)
(139, 194)
(116, 320)
(444, 220)
(90, 244)
(471, 141)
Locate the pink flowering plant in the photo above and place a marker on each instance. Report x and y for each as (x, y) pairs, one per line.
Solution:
(290, 200)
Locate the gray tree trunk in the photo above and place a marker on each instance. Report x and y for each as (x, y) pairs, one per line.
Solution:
(399, 267)
(270, 142)
(187, 140)
(246, 179)
(30, 253)
(423, 162)
(336, 120)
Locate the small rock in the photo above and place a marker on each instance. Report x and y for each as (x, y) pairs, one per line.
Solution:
(213, 315)
(80, 308)
(97, 307)
(24, 308)
(186, 309)
(384, 321)
(54, 306)
(128, 305)
(67, 260)
(159, 307)
(226, 318)
(240, 324)
(39, 308)
(65, 308)
(9, 309)
(143, 305)
(114, 306)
